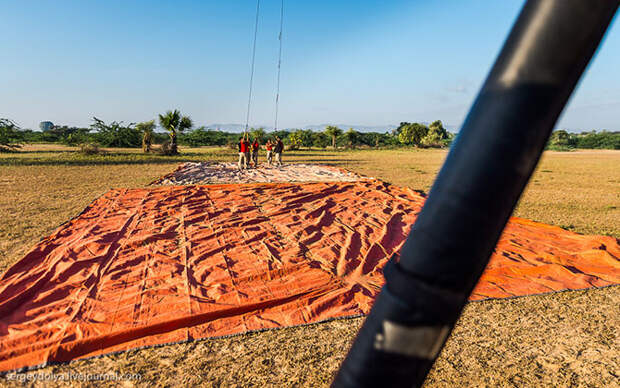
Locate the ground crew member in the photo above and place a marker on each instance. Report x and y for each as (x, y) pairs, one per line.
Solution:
(248, 146)
(269, 148)
(278, 151)
(243, 152)
(255, 148)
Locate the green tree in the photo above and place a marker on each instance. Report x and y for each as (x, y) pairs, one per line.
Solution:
(450, 139)
(598, 140)
(10, 135)
(206, 137)
(30, 136)
(320, 139)
(76, 136)
(116, 134)
(351, 137)
(258, 133)
(282, 134)
(561, 139)
(435, 135)
(295, 140)
(174, 123)
(68, 135)
(147, 128)
(333, 132)
(307, 137)
(411, 133)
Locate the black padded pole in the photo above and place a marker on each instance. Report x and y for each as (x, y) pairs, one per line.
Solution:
(493, 157)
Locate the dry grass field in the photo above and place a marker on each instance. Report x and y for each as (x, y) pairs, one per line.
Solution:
(561, 339)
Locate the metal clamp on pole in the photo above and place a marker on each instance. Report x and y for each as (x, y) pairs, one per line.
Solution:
(494, 155)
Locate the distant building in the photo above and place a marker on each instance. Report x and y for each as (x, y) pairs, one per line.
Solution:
(46, 125)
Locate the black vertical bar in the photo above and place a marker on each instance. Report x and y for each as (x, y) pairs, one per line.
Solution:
(494, 155)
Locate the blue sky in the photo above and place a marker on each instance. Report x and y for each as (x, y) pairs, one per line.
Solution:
(353, 62)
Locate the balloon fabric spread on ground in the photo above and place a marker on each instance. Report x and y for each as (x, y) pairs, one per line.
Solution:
(204, 173)
(142, 267)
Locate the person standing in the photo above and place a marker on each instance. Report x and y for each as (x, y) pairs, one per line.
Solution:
(241, 148)
(269, 148)
(255, 148)
(278, 151)
(243, 152)
(247, 148)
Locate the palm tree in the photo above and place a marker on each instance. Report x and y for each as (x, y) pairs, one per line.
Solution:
(333, 132)
(173, 122)
(147, 129)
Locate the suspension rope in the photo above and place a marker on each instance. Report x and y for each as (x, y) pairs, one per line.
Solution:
(247, 117)
(275, 126)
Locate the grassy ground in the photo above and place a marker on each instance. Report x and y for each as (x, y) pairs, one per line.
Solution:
(567, 339)
(557, 339)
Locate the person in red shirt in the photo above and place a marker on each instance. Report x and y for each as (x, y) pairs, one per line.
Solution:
(269, 148)
(244, 152)
(255, 148)
(247, 150)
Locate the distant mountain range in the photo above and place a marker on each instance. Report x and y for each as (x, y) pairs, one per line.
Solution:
(320, 127)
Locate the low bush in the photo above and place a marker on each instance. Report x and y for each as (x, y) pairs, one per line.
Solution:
(91, 149)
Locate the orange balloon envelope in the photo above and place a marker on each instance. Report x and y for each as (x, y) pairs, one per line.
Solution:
(142, 267)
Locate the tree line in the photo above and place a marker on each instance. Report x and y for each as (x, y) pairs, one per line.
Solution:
(562, 140)
(179, 131)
